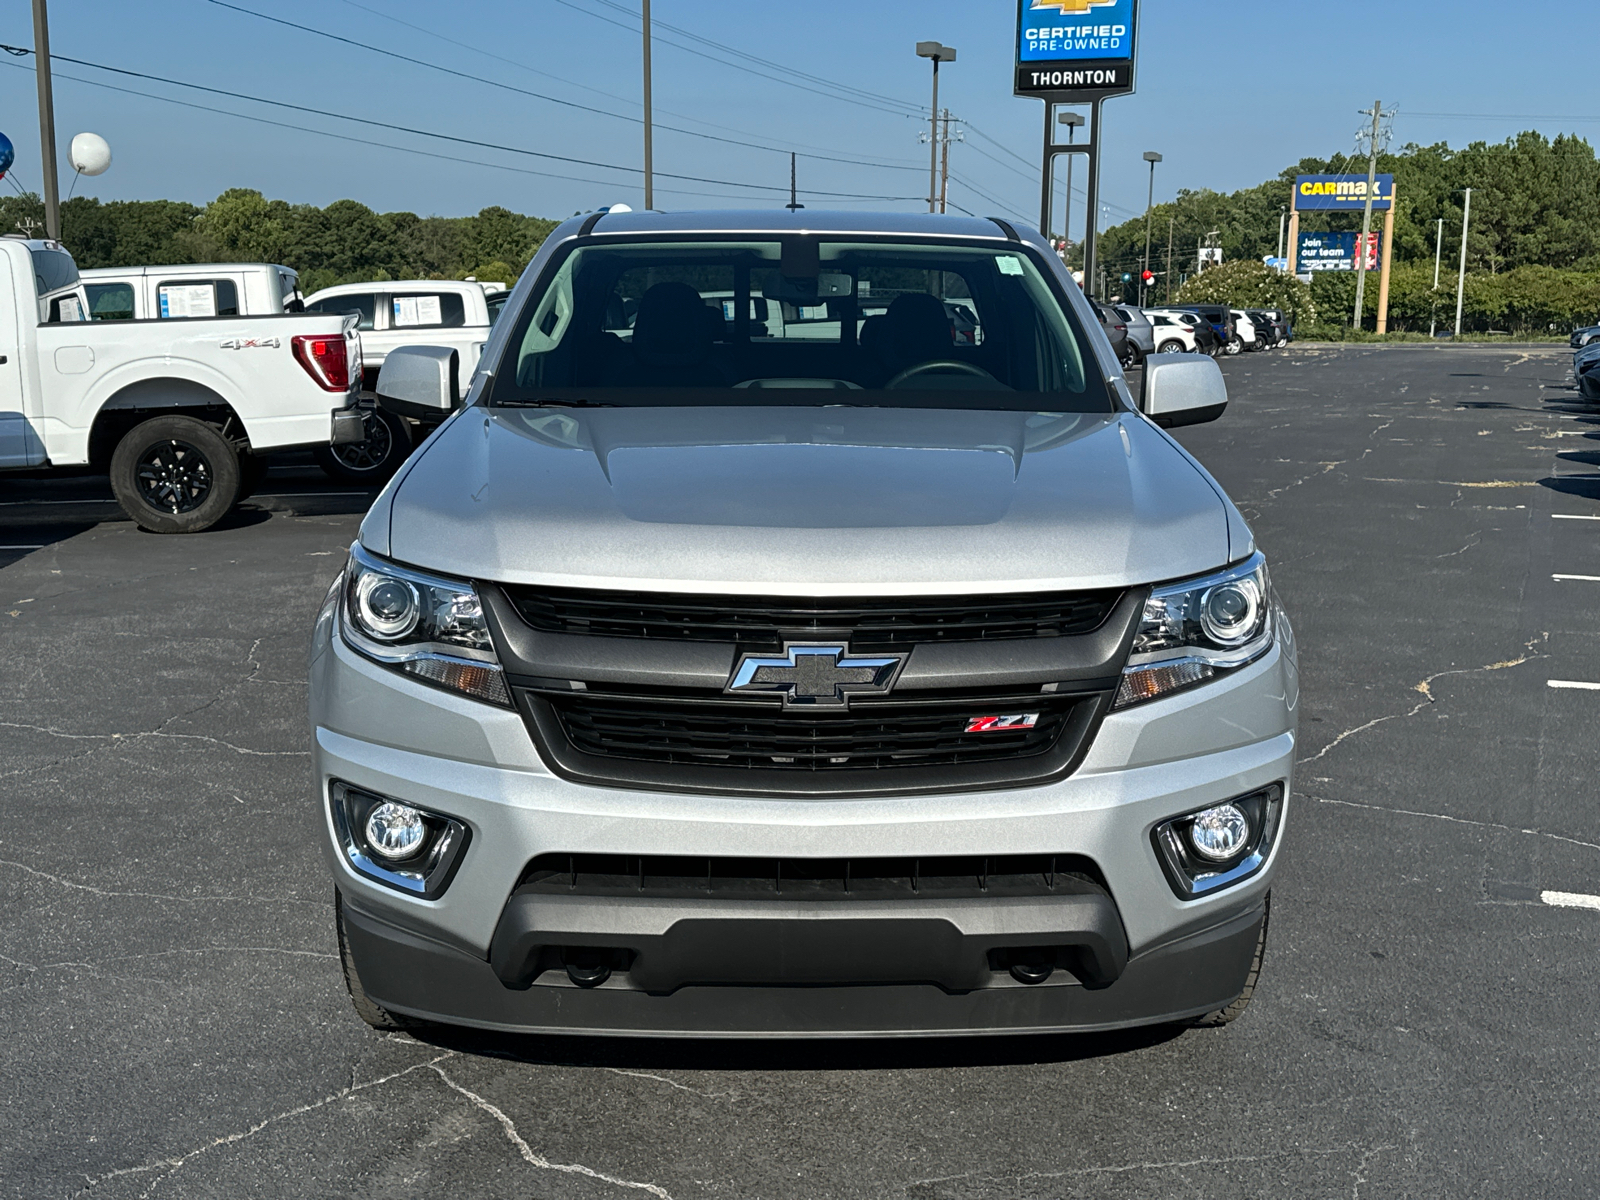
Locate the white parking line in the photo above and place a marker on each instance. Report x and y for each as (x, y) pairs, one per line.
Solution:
(1581, 578)
(1570, 900)
(1572, 517)
(1572, 683)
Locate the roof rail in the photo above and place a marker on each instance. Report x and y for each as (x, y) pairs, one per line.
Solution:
(1007, 227)
(594, 219)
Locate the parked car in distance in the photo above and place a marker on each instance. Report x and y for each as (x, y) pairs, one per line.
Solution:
(191, 290)
(695, 681)
(1141, 337)
(1221, 318)
(434, 312)
(1245, 334)
(1116, 331)
(1179, 332)
(178, 412)
(1269, 327)
(1582, 337)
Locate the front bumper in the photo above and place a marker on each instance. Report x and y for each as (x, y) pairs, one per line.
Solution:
(1188, 977)
(911, 966)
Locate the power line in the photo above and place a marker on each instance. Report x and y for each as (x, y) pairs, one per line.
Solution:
(582, 162)
(878, 97)
(783, 75)
(433, 66)
(344, 137)
(588, 87)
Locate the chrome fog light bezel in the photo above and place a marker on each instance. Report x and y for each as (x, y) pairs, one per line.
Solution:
(424, 874)
(1191, 875)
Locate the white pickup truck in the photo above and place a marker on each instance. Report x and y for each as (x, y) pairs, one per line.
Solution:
(191, 290)
(178, 412)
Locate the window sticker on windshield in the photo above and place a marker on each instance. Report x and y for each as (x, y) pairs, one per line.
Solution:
(1008, 264)
(417, 310)
(188, 300)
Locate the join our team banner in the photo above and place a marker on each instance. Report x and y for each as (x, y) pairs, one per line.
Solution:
(1072, 46)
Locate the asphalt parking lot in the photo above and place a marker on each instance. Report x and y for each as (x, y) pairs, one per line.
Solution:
(175, 1025)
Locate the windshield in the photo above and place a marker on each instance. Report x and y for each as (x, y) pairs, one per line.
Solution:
(800, 320)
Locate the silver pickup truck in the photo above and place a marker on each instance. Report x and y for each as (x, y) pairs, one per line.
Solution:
(891, 676)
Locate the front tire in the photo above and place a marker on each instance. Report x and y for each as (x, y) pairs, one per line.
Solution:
(368, 1009)
(175, 475)
(1235, 345)
(373, 461)
(1226, 1016)
(1171, 346)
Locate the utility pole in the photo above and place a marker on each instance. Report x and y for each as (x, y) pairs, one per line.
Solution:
(1283, 215)
(1433, 309)
(649, 123)
(1172, 229)
(1151, 157)
(47, 121)
(1461, 279)
(794, 203)
(1366, 215)
(1072, 121)
(944, 165)
(938, 54)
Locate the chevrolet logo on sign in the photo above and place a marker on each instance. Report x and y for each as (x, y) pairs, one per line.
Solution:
(815, 674)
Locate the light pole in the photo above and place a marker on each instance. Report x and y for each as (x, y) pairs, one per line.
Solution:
(1461, 279)
(1073, 121)
(47, 121)
(1283, 215)
(939, 54)
(1438, 251)
(1151, 157)
(649, 123)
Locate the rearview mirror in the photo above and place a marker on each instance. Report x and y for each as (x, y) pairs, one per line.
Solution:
(420, 382)
(829, 285)
(1182, 389)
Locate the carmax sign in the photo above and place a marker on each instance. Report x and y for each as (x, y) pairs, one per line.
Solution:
(1346, 193)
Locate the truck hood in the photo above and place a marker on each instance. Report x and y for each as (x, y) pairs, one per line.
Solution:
(806, 500)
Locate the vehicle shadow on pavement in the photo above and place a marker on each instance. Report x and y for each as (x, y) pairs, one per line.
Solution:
(807, 1054)
(20, 539)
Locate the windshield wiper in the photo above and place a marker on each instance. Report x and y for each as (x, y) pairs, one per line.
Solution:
(551, 402)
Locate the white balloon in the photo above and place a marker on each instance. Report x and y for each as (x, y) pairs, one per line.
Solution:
(91, 154)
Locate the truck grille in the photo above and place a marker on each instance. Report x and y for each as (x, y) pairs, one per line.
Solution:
(764, 621)
(706, 741)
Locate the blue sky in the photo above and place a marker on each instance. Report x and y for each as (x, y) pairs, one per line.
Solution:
(1228, 92)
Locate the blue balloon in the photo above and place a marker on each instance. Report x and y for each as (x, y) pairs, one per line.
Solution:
(8, 155)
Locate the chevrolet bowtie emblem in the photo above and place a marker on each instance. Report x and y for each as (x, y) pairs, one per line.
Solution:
(815, 674)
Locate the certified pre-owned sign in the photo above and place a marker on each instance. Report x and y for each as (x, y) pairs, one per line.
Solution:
(1075, 47)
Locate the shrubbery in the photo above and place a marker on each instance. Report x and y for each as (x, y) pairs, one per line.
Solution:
(1247, 284)
(1526, 300)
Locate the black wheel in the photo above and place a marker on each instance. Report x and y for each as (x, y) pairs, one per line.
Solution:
(368, 1009)
(1225, 1016)
(1131, 358)
(175, 475)
(387, 444)
(1171, 346)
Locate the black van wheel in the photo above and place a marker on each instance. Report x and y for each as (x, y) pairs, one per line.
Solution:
(175, 475)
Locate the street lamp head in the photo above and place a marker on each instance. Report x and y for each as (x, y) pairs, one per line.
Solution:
(936, 52)
(1150, 156)
(1070, 118)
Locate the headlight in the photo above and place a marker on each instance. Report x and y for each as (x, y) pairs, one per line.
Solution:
(421, 624)
(1193, 630)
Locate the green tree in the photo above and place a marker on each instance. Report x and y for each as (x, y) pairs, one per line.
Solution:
(1248, 284)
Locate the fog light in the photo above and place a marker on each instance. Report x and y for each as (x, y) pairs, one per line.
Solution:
(395, 831)
(1219, 833)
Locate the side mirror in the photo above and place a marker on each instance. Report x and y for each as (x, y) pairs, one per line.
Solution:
(1182, 389)
(420, 382)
